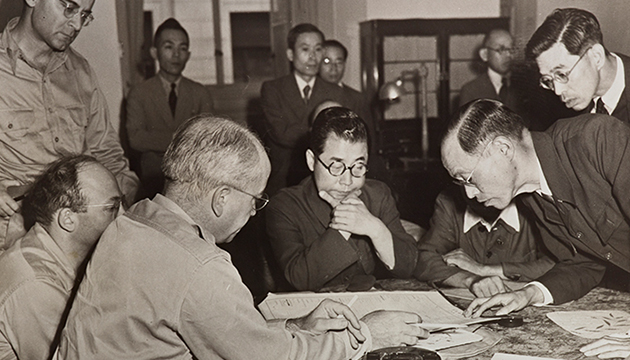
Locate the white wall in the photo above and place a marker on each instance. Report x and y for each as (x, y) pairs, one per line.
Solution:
(612, 16)
(98, 43)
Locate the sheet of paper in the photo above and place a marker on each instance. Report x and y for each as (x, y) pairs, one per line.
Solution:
(448, 339)
(593, 324)
(501, 356)
(430, 305)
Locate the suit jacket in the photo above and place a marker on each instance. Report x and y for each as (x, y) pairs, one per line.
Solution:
(586, 162)
(518, 252)
(482, 88)
(312, 255)
(286, 126)
(150, 124)
(622, 111)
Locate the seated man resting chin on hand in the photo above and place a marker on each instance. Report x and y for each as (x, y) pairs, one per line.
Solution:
(336, 225)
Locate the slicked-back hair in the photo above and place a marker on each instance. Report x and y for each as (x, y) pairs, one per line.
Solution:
(482, 120)
(300, 29)
(491, 33)
(168, 24)
(207, 152)
(577, 29)
(342, 122)
(338, 45)
(57, 188)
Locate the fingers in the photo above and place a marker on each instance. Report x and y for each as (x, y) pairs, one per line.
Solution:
(328, 198)
(478, 306)
(8, 206)
(488, 286)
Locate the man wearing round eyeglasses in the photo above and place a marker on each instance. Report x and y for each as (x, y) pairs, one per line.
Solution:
(337, 227)
(50, 101)
(574, 179)
(573, 63)
(497, 52)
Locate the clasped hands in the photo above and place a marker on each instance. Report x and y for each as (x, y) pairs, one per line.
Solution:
(350, 214)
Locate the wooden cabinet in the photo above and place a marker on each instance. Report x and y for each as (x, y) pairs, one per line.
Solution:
(447, 47)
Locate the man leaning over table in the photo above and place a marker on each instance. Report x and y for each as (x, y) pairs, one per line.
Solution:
(158, 286)
(50, 103)
(574, 177)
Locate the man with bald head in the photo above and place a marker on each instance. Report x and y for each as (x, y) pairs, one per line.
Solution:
(50, 102)
(497, 52)
(72, 203)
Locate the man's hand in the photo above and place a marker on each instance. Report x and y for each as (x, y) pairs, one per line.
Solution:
(511, 301)
(394, 328)
(463, 261)
(330, 315)
(353, 216)
(489, 286)
(608, 349)
(334, 202)
(8, 206)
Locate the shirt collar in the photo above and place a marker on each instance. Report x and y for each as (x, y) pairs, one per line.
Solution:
(509, 215)
(496, 79)
(301, 83)
(544, 186)
(167, 84)
(612, 96)
(14, 52)
(53, 248)
(173, 207)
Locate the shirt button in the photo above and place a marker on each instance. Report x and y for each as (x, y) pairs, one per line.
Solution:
(579, 234)
(10, 126)
(56, 139)
(500, 241)
(481, 228)
(489, 254)
(608, 256)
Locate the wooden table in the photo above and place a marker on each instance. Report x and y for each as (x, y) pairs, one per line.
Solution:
(538, 336)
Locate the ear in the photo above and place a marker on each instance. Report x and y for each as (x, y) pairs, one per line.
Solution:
(483, 54)
(290, 54)
(154, 53)
(67, 220)
(599, 56)
(31, 3)
(310, 159)
(504, 145)
(219, 200)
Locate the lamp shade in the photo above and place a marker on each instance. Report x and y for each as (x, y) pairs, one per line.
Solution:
(391, 91)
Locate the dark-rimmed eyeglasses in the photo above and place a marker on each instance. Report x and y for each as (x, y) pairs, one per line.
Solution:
(337, 168)
(502, 50)
(547, 81)
(466, 181)
(71, 9)
(259, 201)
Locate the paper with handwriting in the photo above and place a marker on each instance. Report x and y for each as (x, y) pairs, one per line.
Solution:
(593, 324)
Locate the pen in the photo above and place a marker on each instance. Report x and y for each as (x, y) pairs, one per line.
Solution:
(349, 304)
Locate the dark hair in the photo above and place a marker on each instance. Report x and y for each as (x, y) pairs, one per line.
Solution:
(57, 188)
(481, 120)
(300, 29)
(340, 121)
(338, 45)
(168, 24)
(575, 28)
(491, 33)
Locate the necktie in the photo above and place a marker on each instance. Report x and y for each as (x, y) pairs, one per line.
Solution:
(504, 89)
(599, 108)
(172, 99)
(307, 92)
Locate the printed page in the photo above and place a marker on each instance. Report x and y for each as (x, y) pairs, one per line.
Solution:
(593, 324)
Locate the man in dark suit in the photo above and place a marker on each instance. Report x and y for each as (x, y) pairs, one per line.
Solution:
(332, 70)
(573, 62)
(289, 101)
(575, 179)
(156, 107)
(497, 52)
